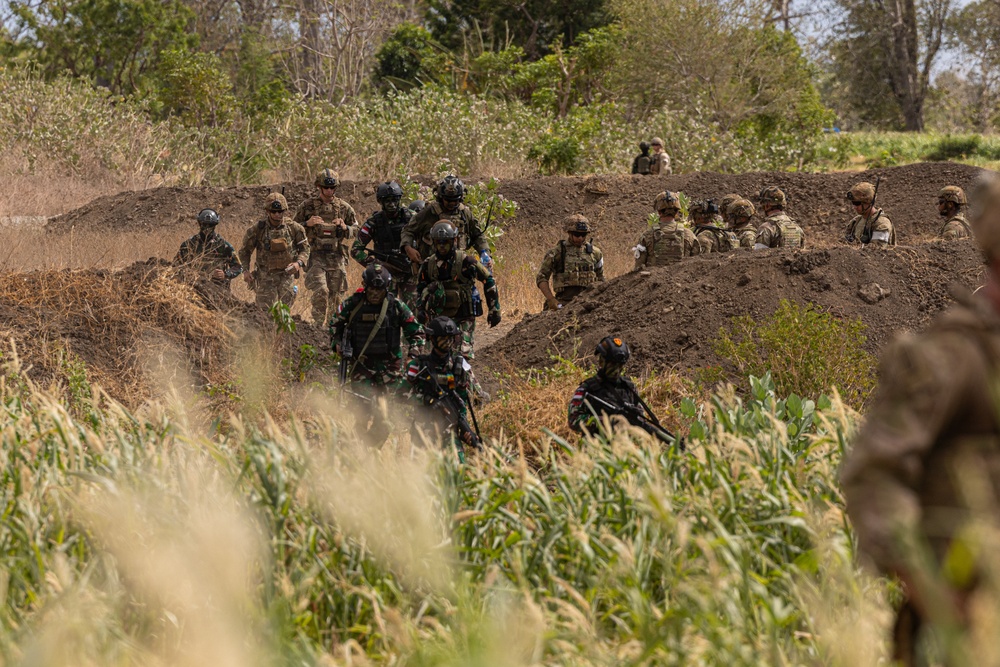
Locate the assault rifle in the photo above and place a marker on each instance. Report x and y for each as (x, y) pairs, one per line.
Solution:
(395, 260)
(637, 415)
(449, 404)
(346, 356)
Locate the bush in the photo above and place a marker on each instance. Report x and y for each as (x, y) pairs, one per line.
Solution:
(807, 352)
(952, 147)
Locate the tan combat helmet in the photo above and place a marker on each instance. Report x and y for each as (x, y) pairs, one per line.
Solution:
(952, 193)
(327, 178)
(656, 141)
(577, 224)
(666, 202)
(725, 203)
(741, 208)
(772, 195)
(863, 193)
(276, 202)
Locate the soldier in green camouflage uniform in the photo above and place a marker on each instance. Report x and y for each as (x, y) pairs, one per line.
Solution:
(210, 256)
(374, 323)
(666, 242)
(329, 223)
(445, 284)
(282, 252)
(739, 213)
(383, 230)
(573, 265)
(951, 207)
(448, 205)
(868, 227)
(778, 230)
(924, 471)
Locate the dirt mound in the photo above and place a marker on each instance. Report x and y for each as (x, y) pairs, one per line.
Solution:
(670, 315)
(113, 321)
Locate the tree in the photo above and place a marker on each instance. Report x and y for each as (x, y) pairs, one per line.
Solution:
(890, 45)
(118, 44)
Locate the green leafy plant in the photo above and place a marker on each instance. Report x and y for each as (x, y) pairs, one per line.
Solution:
(281, 315)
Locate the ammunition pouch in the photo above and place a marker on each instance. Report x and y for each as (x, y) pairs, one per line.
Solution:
(277, 255)
(326, 237)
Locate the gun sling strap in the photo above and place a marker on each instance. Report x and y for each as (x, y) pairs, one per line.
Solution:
(374, 331)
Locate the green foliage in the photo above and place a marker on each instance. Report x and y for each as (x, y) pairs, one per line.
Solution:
(115, 44)
(281, 315)
(806, 351)
(492, 208)
(410, 57)
(194, 87)
(962, 147)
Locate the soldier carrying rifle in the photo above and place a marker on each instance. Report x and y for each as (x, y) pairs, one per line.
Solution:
(383, 230)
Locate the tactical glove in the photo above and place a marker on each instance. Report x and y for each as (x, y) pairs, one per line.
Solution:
(493, 318)
(553, 303)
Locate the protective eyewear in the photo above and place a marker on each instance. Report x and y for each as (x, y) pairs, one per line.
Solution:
(857, 203)
(578, 235)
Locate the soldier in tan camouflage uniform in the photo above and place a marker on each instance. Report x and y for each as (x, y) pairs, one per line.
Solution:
(778, 230)
(930, 447)
(951, 207)
(666, 242)
(739, 213)
(868, 227)
(660, 160)
(711, 237)
(724, 204)
(282, 252)
(330, 223)
(573, 265)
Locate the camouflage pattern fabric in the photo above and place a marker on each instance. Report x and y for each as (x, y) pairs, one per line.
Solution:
(326, 273)
(957, 227)
(205, 254)
(271, 282)
(882, 231)
(570, 266)
(385, 236)
(445, 288)
(449, 371)
(660, 163)
(417, 232)
(663, 244)
(747, 235)
(617, 392)
(780, 231)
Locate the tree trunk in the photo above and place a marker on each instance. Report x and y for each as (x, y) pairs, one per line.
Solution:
(309, 20)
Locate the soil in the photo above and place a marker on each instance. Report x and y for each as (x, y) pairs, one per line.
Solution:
(669, 316)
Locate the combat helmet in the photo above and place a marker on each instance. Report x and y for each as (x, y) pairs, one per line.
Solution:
(442, 331)
(443, 230)
(644, 147)
(741, 208)
(953, 194)
(327, 178)
(862, 193)
(451, 188)
(656, 141)
(613, 349)
(207, 217)
(376, 276)
(417, 205)
(388, 190)
(667, 201)
(725, 203)
(773, 195)
(276, 202)
(577, 224)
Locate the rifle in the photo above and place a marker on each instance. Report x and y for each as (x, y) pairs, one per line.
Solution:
(346, 355)
(636, 416)
(394, 260)
(866, 233)
(449, 403)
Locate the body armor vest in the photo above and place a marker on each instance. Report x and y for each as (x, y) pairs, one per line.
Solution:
(666, 247)
(575, 268)
(791, 235)
(362, 322)
(275, 245)
(325, 237)
(449, 371)
(453, 295)
(386, 234)
(725, 239)
(642, 164)
(959, 219)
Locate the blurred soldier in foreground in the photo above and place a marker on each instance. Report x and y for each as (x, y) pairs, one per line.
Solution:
(574, 265)
(778, 230)
(442, 379)
(610, 392)
(739, 214)
(926, 464)
(367, 333)
(666, 242)
(448, 197)
(870, 226)
(642, 161)
(661, 161)
(329, 221)
(210, 255)
(951, 207)
(384, 229)
(282, 252)
(445, 283)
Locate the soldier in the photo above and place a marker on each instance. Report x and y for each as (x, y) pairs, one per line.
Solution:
(610, 392)
(710, 237)
(372, 322)
(442, 380)
(448, 198)
(574, 265)
(384, 228)
(724, 204)
(778, 230)
(445, 282)
(951, 207)
(642, 162)
(928, 456)
(417, 205)
(282, 253)
(868, 226)
(661, 161)
(329, 222)
(210, 255)
(666, 242)
(739, 213)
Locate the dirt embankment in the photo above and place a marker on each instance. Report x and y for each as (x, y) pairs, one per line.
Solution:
(670, 315)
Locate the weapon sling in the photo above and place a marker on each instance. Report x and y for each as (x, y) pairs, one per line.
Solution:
(375, 329)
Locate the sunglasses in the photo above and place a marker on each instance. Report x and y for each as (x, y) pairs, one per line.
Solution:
(857, 203)
(578, 235)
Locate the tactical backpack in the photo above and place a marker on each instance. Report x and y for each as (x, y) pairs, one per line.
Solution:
(580, 273)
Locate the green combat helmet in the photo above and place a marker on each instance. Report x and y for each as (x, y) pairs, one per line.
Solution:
(327, 178)
(862, 193)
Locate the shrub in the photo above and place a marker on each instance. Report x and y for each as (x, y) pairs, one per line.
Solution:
(807, 352)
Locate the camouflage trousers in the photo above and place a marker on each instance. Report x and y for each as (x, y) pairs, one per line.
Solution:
(326, 279)
(405, 287)
(377, 402)
(468, 329)
(274, 286)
